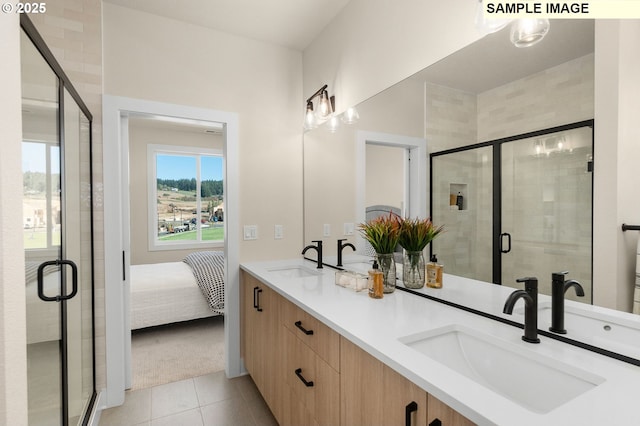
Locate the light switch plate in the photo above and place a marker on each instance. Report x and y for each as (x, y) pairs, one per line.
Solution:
(326, 230)
(349, 228)
(250, 232)
(278, 232)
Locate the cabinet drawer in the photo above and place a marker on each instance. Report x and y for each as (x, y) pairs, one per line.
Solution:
(324, 341)
(315, 383)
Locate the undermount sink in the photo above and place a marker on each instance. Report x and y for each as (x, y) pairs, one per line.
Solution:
(295, 272)
(537, 383)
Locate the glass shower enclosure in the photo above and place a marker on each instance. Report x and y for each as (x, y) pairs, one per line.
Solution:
(57, 217)
(516, 207)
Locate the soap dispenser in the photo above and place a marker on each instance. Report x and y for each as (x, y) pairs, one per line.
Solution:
(376, 282)
(434, 273)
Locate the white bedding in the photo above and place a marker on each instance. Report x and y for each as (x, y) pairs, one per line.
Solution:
(163, 293)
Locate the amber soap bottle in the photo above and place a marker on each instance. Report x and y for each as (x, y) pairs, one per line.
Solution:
(434, 273)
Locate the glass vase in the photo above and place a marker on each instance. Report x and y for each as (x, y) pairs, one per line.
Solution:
(387, 265)
(413, 269)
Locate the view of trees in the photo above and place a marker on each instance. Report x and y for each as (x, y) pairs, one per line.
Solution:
(208, 188)
(37, 181)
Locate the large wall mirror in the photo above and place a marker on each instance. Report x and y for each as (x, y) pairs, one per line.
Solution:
(488, 91)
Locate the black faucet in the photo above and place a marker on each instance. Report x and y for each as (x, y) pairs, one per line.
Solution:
(318, 249)
(341, 247)
(558, 288)
(530, 296)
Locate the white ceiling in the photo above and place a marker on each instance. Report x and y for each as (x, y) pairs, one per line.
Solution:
(290, 23)
(493, 61)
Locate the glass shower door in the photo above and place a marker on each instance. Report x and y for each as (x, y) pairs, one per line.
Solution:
(58, 244)
(466, 245)
(546, 209)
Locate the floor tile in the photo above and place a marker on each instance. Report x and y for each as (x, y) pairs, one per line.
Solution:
(135, 410)
(215, 387)
(185, 418)
(247, 388)
(173, 398)
(230, 412)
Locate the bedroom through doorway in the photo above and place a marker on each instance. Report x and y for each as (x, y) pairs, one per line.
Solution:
(176, 257)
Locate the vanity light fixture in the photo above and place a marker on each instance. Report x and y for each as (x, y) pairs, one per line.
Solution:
(488, 26)
(325, 108)
(527, 32)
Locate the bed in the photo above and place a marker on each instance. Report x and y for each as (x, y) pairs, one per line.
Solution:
(164, 293)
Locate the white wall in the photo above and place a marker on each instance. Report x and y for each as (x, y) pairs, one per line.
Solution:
(13, 342)
(616, 154)
(158, 59)
(373, 44)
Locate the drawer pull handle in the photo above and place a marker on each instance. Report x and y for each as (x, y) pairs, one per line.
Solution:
(306, 383)
(304, 330)
(436, 422)
(410, 408)
(255, 303)
(258, 303)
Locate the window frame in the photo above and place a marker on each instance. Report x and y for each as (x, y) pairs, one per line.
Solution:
(153, 150)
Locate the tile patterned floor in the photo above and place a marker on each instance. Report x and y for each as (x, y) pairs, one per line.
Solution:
(201, 401)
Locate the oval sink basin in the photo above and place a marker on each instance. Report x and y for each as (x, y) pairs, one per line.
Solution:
(295, 272)
(534, 382)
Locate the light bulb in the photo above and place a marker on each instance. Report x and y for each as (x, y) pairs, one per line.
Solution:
(310, 118)
(488, 26)
(324, 105)
(333, 124)
(350, 116)
(527, 32)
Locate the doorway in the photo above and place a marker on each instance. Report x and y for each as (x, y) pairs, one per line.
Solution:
(404, 192)
(526, 207)
(117, 249)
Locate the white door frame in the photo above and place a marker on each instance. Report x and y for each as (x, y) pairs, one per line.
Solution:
(417, 173)
(116, 181)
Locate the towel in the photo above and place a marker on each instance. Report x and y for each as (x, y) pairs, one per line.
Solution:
(636, 293)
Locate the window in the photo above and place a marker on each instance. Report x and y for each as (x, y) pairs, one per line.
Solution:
(186, 200)
(41, 199)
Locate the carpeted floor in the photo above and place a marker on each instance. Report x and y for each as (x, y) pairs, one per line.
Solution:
(175, 352)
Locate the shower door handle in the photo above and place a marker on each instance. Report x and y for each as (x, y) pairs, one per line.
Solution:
(502, 245)
(74, 281)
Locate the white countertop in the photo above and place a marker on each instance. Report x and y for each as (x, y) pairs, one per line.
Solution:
(376, 326)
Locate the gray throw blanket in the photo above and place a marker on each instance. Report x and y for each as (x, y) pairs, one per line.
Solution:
(208, 268)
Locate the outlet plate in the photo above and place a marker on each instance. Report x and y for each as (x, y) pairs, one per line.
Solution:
(250, 232)
(278, 232)
(326, 230)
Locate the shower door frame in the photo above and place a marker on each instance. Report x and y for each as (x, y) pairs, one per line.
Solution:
(496, 146)
(65, 85)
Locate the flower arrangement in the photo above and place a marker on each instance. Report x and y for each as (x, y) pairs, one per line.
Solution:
(415, 234)
(383, 233)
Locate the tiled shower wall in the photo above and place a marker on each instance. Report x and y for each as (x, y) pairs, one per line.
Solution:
(72, 29)
(557, 96)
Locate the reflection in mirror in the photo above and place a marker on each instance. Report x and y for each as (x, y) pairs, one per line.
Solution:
(529, 214)
(486, 91)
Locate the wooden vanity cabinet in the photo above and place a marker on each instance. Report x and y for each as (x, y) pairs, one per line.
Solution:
(374, 394)
(262, 343)
(312, 368)
(310, 375)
